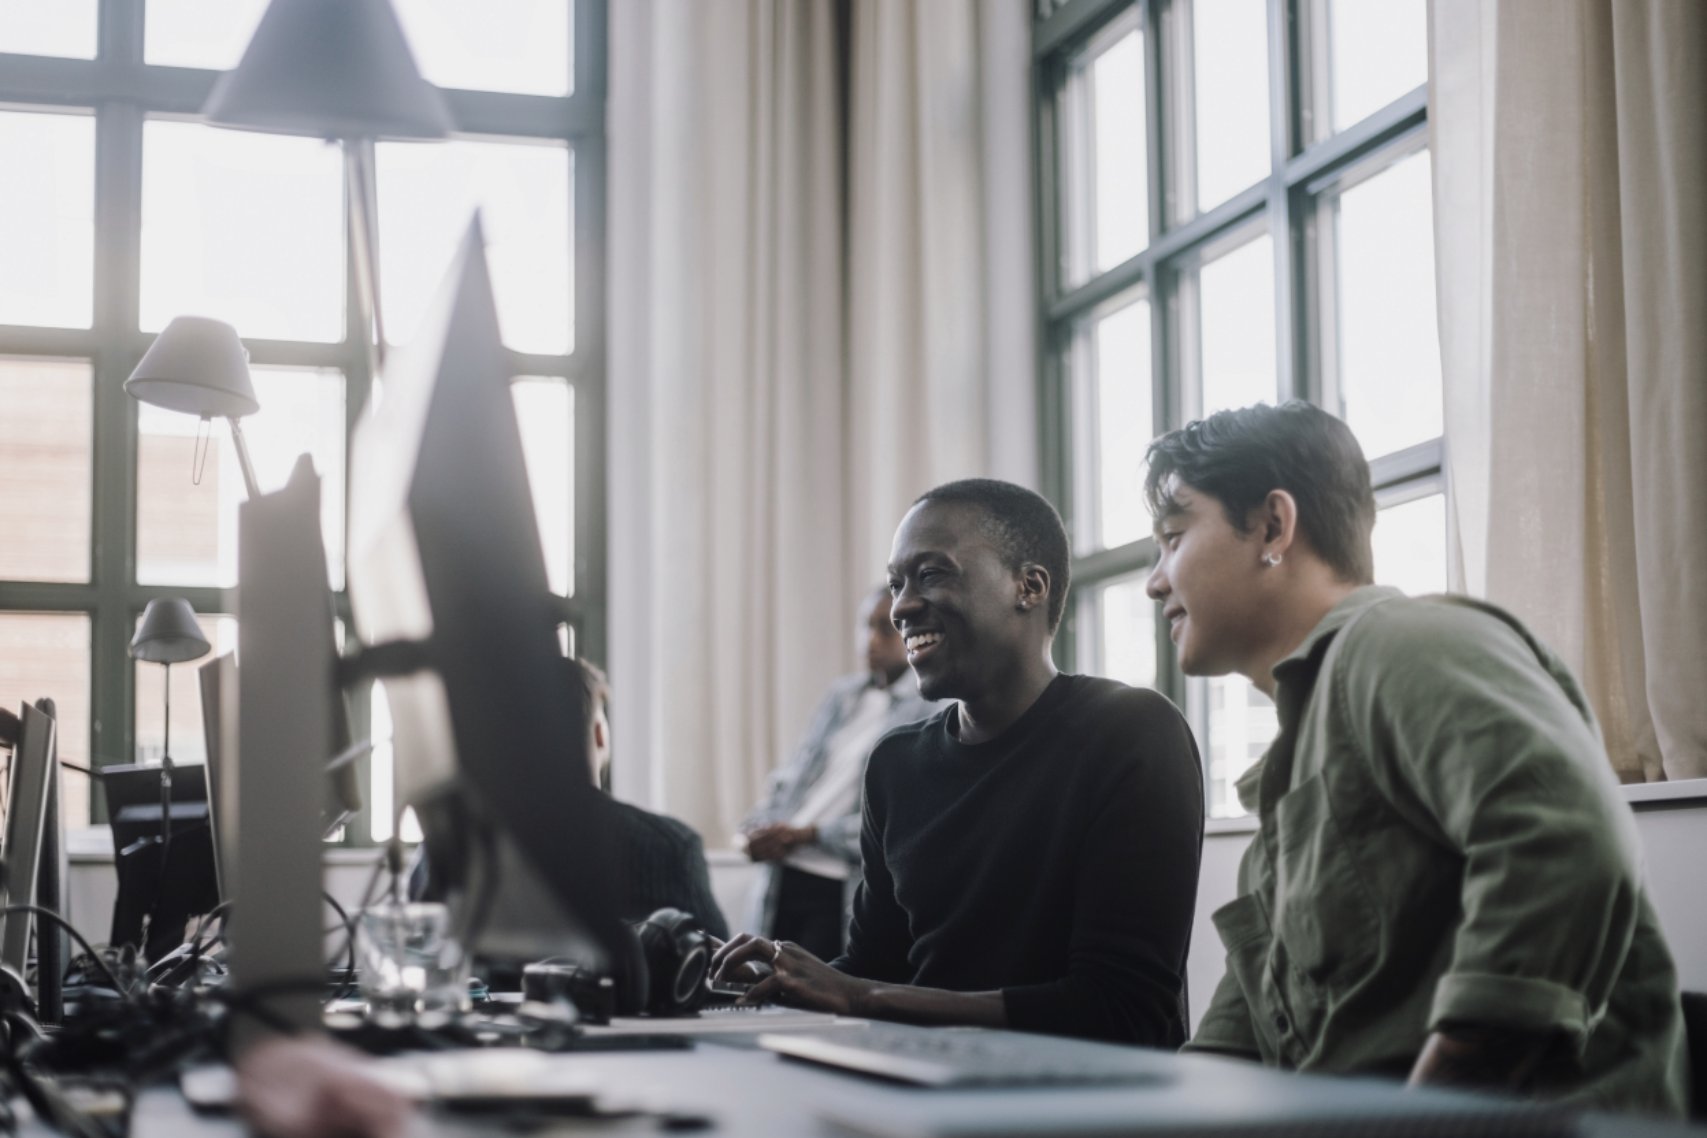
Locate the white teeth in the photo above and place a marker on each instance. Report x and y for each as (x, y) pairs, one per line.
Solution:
(922, 640)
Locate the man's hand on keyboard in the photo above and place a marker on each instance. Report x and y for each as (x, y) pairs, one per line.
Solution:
(797, 978)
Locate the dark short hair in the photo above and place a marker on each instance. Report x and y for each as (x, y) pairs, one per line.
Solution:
(1021, 524)
(1238, 457)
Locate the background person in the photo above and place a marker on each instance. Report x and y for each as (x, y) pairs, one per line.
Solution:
(805, 834)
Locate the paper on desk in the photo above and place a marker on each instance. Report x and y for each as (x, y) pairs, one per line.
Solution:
(717, 1021)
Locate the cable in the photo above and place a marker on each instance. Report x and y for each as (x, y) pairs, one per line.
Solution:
(49, 914)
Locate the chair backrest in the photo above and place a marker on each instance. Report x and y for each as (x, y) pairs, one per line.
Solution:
(1695, 1033)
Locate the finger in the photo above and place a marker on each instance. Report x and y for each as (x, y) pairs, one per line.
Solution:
(765, 991)
(755, 950)
(728, 946)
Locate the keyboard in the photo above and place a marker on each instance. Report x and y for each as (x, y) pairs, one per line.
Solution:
(966, 1056)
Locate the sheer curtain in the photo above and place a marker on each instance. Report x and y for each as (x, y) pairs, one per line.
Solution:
(811, 323)
(1570, 156)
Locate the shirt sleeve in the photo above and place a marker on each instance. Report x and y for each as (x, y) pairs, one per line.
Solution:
(1134, 899)
(783, 792)
(1226, 1024)
(1484, 741)
(878, 939)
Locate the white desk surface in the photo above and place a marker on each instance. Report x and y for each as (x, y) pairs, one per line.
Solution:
(756, 1094)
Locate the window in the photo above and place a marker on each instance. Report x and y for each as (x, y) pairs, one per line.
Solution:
(121, 209)
(1235, 207)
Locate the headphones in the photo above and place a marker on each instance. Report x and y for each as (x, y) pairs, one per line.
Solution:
(664, 974)
(677, 956)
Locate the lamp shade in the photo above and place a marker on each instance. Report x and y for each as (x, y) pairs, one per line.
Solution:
(331, 68)
(198, 366)
(168, 633)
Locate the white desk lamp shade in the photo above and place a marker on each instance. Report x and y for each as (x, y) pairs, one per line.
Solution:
(168, 633)
(333, 69)
(197, 366)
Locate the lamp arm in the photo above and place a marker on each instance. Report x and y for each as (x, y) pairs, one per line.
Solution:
(251, 487)
(364, 222)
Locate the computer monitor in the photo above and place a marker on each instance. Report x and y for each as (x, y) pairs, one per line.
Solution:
(287, 730)
(445, 554)
(161, 894)
(34, 856)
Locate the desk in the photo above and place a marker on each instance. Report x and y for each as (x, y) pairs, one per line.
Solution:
(755, 1094)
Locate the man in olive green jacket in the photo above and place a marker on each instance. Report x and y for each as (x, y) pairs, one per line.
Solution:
(1445, 884)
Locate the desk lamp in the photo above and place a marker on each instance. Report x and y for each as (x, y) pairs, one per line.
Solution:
(336, 69)
(167, 635)
(198, 365)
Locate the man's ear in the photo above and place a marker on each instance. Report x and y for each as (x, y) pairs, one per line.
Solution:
(1279, 522)
(600, 740)
(1034, 585)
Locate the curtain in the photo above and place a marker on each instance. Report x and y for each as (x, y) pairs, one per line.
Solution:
(802, 329)
(1570, 152)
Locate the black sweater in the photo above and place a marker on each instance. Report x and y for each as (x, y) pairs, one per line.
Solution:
(1057, 862)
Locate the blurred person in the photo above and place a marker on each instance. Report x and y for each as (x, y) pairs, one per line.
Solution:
(660, 862)
(805, 834)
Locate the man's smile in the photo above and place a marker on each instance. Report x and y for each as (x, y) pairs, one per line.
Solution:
(921, 644)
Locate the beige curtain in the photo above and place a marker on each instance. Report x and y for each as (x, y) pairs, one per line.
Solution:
(1570, 156)
(802, 326)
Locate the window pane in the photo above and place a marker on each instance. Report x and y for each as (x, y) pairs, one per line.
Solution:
(1230, 62)
(1113, 425)
(427, 194)
(45, 454)
(186, 533)
(242, 226)
(47, 654)
(199, 33)
(1123, 640)
(1410, 545)
(188, 743)
(1378, 50)
(1104, 182)
(65, 28)
(1240, 723)
(545, 408)
(1236, 310)
(47, 219)
(522, 46)
(1389, 348)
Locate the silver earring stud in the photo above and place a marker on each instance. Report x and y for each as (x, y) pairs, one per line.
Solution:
(1271, 559)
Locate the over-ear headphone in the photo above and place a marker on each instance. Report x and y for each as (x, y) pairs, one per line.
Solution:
(677, 956)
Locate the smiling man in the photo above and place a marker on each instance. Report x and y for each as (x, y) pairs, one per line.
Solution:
(1031, 853)
(1445, 884)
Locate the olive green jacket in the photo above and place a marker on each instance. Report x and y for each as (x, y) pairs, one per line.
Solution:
(1442, 842)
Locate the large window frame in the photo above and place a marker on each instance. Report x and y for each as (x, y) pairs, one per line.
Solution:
(1303, 168)
(122, 93)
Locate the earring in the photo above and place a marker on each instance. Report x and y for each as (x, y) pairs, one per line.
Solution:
(1271, 559)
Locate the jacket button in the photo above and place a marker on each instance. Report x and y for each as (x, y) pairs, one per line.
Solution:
(1280, 1023)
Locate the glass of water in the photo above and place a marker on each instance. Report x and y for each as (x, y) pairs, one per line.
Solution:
(412, 970)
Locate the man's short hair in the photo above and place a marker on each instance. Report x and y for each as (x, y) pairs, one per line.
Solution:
(1238, 457)
(1023, 527)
